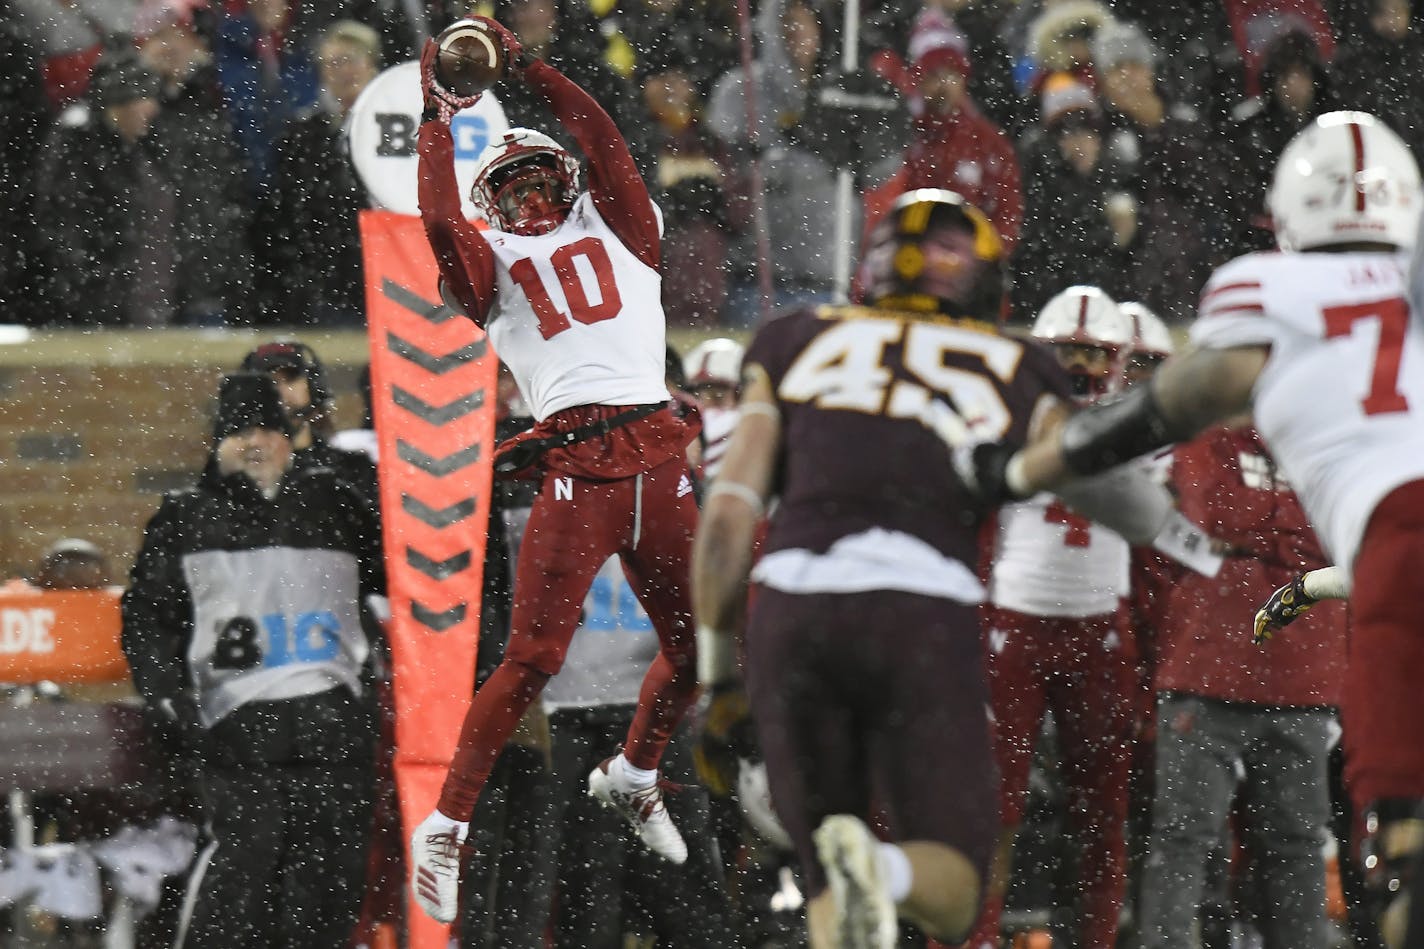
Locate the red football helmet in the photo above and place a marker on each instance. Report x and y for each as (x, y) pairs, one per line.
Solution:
(525, 183)
(934, 252)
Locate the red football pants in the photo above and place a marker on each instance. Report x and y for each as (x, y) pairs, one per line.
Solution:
(1085, 672)
(1383, 720)
(574, 527)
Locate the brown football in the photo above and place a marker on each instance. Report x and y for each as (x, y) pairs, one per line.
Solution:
(470, 58)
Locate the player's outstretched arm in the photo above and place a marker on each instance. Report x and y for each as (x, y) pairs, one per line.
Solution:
(1189, 392)
(617, 188)
(466, 261)
(1296, 598)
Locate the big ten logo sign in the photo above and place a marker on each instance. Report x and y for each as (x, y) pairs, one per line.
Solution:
(611, 606)
(399, 130)
(276, 640)
(26, 630)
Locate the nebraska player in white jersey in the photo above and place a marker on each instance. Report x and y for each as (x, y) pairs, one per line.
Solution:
(1058, 639)
(714, 377)
(567, 285)
(1322, 342)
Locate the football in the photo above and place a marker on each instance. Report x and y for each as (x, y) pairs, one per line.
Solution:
(470, 60)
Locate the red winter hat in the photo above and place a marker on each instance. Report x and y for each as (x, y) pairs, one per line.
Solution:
(939, 48)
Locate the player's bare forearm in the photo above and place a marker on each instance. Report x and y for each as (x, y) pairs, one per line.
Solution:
(1188, 393)
(465, 260)
(614, 182)
(721, 561)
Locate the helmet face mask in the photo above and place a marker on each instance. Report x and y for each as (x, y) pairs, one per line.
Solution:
(1091, 338)
(1345, 179)
(505, 191)
(934, 253)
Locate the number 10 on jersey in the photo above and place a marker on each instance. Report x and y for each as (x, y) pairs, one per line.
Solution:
(571, 279)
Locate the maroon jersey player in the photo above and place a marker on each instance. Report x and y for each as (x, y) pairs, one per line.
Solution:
(863, 662)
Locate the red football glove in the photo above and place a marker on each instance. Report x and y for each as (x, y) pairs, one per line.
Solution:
(514, 58)
(440, 103)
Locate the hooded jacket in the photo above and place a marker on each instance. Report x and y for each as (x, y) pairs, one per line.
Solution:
(800, 186)
(242, 609)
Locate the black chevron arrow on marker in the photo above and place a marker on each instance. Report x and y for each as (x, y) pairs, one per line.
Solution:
(437, 569)
(439, 365)
(437, 517)
(438, 620)
(437, 414)
(437, 466)
(436, 313)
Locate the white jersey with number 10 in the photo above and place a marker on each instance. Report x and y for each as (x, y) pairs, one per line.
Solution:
(1340, 401)
(577, 317)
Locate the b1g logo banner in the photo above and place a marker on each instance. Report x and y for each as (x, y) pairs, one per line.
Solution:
(381, 132)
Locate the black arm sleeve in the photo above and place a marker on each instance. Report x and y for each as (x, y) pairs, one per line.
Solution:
(157, 612)
(1109, 433)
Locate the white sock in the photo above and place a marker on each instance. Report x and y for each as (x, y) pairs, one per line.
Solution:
(895, 870)
(460, 827)
(636, 778)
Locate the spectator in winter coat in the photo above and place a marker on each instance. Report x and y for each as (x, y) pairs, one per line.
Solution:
(954, 146)
(799, 185)
(1157, 150)
(700, 35)
(1223, 700)
(192, 131)
(689, 193)
(127, 233)
(267, 75)
(1295, 88)
(309, 245)
(1067, 237)
(1377, 70)
(241, 624)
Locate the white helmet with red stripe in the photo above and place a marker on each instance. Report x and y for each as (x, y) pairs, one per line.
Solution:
(1086, 316)
(714, 362)
(1150, 335)
(1080, 321)
(1346, 178)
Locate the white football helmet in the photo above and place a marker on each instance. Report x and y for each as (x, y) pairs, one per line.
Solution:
(1150, 335)
(502, 162)
(716, 361)
(1345, 178)
(1086, 316)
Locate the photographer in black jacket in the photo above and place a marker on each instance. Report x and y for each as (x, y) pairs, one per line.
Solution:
(242, 623)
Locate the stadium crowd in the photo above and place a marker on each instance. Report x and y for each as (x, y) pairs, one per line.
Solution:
(1111, 143)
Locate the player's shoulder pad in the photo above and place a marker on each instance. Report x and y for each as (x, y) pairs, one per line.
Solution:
(1239, 286)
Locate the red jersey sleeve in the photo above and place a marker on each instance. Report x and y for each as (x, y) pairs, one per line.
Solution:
(614, 183)
(466, 261)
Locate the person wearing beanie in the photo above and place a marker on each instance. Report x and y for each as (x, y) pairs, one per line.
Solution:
(251, 434)
(953, 145)
(243, 627)
(310, 409)
(1158, 151)
(1296, 86)
(1067, 236)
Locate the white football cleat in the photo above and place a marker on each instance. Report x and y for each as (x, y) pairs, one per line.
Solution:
(435, 875)
(642, 808)
(849, 853)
